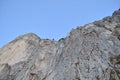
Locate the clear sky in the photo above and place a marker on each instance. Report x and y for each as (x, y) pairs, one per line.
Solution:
(49, 18)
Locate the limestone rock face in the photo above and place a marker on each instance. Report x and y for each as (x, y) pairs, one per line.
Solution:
(91, 52)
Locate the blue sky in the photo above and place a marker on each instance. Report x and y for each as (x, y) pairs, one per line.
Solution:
(49, 18)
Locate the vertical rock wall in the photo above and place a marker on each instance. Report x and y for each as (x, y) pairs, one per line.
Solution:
(91, 52)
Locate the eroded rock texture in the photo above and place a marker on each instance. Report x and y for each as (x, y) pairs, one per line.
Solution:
(91, 52)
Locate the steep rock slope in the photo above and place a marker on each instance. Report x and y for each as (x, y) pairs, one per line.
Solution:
(91, 52)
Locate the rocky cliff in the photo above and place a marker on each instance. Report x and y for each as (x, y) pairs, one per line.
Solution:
(91, 52)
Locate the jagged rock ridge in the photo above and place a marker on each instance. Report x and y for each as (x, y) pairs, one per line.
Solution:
(91, 52)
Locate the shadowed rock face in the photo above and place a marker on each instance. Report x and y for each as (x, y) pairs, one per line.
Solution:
(91, 52)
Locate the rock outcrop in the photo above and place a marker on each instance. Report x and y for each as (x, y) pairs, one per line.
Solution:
(91, 52)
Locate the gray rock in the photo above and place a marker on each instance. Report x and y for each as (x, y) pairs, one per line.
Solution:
(91, 52)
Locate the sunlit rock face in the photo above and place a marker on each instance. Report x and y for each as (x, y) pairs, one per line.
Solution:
(90, 52)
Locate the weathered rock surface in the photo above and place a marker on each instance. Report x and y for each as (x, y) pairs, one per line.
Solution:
(91, 52)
